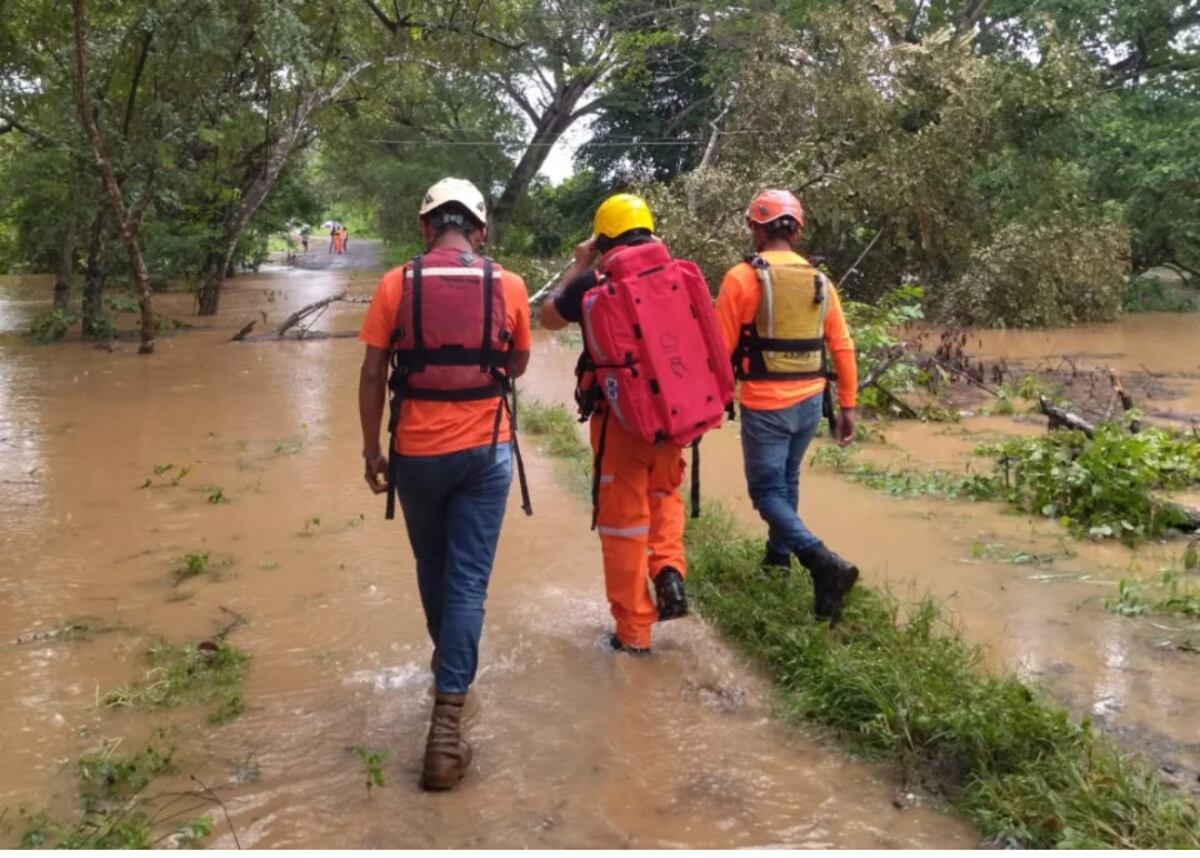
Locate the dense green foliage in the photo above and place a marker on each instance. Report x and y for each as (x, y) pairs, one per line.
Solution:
(1018, 160)
(1104, 486)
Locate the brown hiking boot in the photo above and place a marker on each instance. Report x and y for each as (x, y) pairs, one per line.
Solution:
(447, 755)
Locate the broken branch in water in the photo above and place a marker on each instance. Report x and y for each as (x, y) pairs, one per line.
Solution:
(1060, 418)
(1135, 426)
(306, 311)
(246, 329)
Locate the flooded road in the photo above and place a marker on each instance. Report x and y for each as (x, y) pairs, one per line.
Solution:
(574, 746)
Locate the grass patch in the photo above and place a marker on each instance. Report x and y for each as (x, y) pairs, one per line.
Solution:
(116, 813)
(191, 565)
(558, 434)
(205, 673)
(1172, 593)
(905, 482)
(915, 692)
(80, 628)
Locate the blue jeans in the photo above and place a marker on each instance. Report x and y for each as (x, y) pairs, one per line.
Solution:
(773, 445)
(453, 508)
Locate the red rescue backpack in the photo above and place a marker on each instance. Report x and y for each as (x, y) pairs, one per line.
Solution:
(655, 355)
(451, 343)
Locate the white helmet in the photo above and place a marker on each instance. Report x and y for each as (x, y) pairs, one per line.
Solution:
(455, 191)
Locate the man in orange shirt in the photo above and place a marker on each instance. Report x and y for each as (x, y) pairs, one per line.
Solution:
(455, 329)
(778, 317)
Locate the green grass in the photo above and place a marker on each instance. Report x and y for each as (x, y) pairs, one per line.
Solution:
(204, 674)
(115, 811)
(906, 686)
(558, 434)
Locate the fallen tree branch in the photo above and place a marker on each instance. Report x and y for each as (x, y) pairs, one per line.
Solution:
(1060, 418)
(306, 311)
(1135, 426)
(895, 354)
(246, 329)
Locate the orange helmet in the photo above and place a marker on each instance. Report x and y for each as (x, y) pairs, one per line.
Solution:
(772, 204)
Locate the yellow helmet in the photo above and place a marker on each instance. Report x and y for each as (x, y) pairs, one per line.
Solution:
(621, 213)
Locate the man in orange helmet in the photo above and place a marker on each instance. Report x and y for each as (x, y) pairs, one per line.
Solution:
(779, 315)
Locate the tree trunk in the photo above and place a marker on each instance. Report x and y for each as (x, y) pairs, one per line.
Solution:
(556, 119)
(66, 265)
(93, 279)
(263, 182)
(128, 221)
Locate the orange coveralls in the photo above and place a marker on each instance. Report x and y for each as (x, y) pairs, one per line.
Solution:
(640, 519)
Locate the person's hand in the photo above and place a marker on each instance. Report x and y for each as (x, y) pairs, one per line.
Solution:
(585, 252)
(376, 471)
(845, 426)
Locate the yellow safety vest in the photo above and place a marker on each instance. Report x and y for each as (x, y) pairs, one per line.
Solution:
(786, 340)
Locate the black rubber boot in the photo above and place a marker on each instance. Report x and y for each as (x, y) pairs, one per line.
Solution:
(774, 561)
(615, 643)
(832, 577)
(672, 600)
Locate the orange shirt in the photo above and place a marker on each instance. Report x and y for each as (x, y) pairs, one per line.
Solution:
(737, 305)
(428, 428)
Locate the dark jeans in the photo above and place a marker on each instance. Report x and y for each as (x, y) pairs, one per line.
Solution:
(773, 445)
(453, 508)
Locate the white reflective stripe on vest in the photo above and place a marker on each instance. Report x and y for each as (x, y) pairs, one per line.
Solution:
(606, 479)
(640, 530)
(451, 272)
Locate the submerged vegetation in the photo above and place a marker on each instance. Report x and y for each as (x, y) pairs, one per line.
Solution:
(116, 812)
(905, 685)
(205, 673)
(1107, 486)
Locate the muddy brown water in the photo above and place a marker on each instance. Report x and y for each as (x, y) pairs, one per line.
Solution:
(574, 746)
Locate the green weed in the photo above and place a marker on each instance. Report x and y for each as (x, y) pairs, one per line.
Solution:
(116, 814)
(289, 446)
(164, 476)
(231, 707)
(1169, 593)
(216, 495)
(1017, 556)
(187, 673)
(558, 433)
(311, 525)
(905, 482)
(372, 762)
(191, 565)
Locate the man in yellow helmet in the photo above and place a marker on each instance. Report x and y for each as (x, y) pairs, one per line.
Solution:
(639, 512)
(779, 316)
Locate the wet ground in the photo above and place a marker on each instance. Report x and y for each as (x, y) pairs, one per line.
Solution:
(575, 747)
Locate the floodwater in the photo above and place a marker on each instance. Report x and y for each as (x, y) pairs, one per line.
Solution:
(574, 746)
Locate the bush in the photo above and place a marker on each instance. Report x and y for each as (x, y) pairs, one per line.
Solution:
(1057, 273)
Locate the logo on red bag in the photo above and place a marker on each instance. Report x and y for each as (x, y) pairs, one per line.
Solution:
(610, 388)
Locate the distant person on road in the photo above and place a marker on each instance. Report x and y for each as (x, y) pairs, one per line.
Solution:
(333, 234)
(779, 316)
(304, 233)
(345, 239)
(455, 329)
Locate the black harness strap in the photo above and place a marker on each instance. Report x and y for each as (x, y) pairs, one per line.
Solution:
(696, 478)
(596, 463)
(485, 356)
